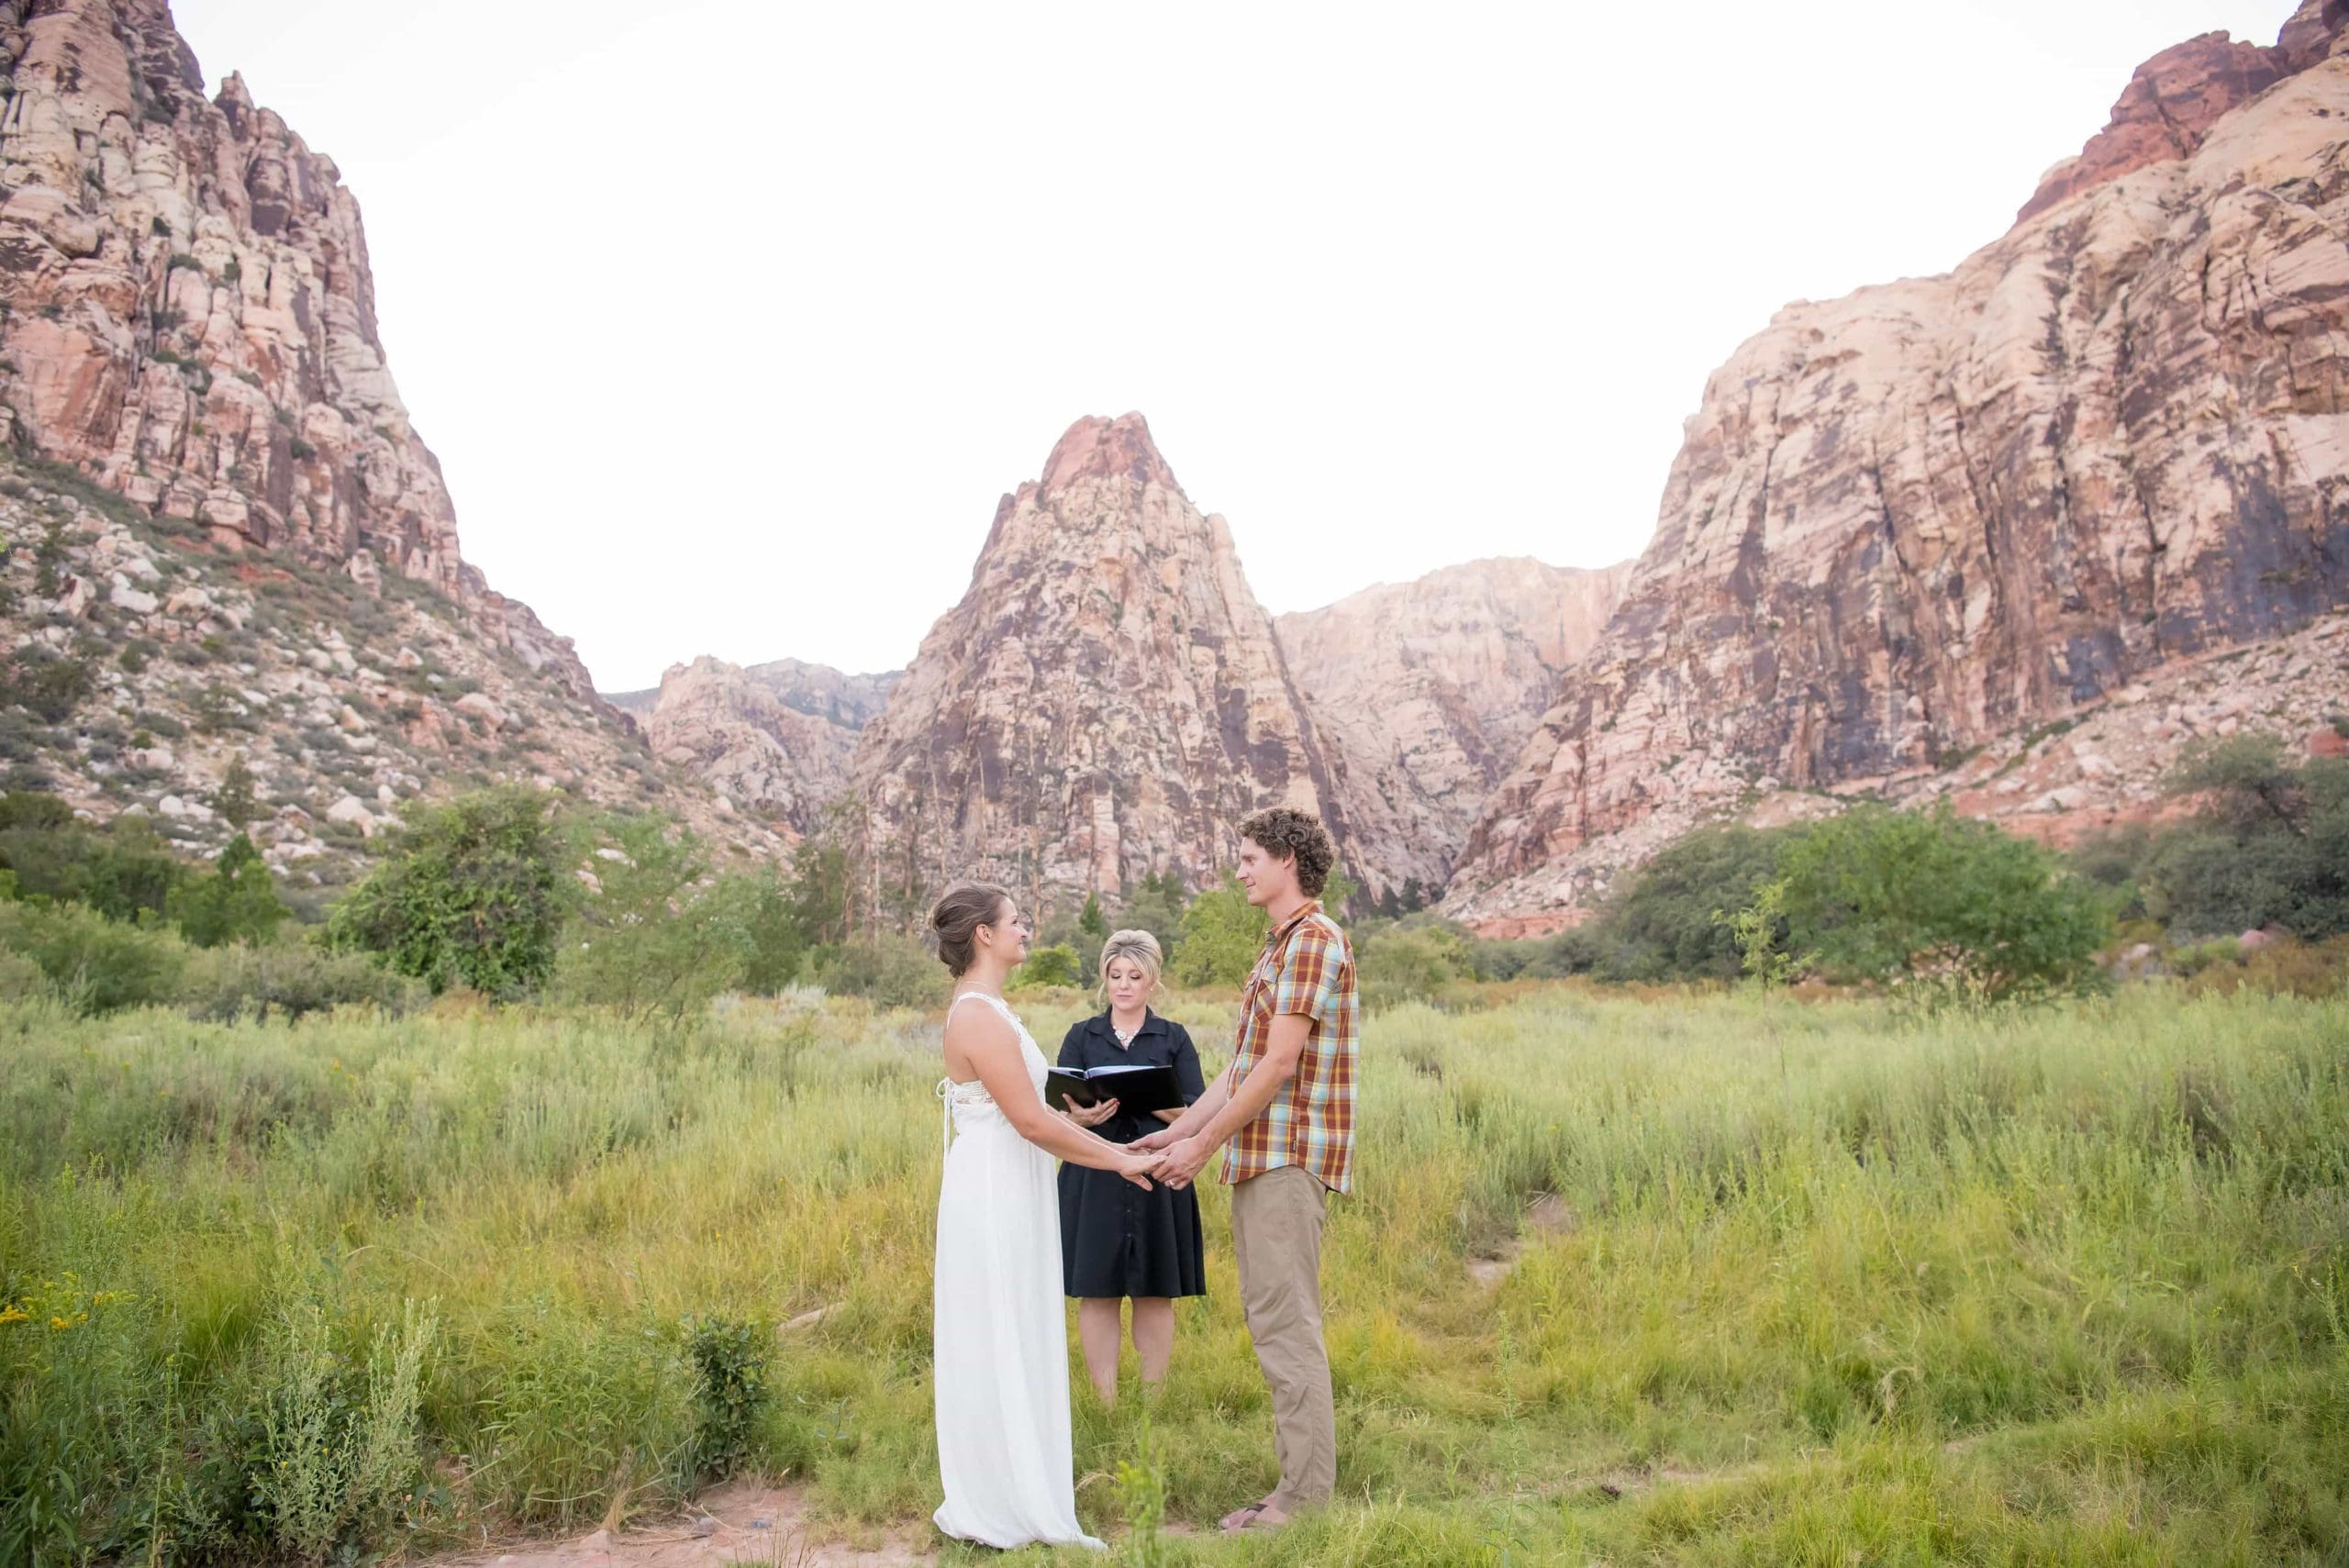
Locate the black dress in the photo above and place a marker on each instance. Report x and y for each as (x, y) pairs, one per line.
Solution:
(1117, 1240)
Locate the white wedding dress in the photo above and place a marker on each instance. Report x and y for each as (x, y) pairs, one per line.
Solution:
(998, 1329)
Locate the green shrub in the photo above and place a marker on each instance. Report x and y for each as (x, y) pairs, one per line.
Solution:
(1413, 963)
(2287, 967)
(1661, 926)
(894, 970)
(95, 965)
(2270, 846)
(474, 894)
(342, 1437)
(1936, 898)
(1055, 965)
(649, 938)
(730, 1363)
(237, 902)
(290, 979)
(123, 870)
(21, 978)
(50, 685)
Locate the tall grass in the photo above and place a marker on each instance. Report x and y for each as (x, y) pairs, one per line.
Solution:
(1816, 1283)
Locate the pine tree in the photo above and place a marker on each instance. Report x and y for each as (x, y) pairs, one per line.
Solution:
(234, 799)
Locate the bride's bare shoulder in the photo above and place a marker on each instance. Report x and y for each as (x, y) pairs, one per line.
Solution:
(975, 1019)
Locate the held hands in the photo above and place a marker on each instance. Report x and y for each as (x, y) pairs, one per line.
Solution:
(1183, 1158)
(1154, 1140)
(1139, 1168)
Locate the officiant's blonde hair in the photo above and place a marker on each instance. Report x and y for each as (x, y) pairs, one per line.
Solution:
(1138, 945)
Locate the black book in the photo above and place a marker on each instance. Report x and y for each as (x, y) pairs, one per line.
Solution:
(1139, 1087)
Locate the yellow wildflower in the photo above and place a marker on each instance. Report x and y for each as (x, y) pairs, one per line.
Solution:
(12, 1315)
(58, 1323)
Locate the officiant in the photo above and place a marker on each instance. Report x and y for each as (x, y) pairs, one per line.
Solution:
(1119, 1242)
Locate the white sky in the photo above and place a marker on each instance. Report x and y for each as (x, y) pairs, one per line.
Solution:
(729, 322)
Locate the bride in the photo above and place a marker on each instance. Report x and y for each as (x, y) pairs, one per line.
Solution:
(999, 1332)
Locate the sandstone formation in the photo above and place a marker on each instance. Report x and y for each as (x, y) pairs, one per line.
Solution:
(2174, 98)
(1424, 693)
(1916, 520)
(1106, 702)
(191, 320)
(219, 533)
(776, 738)
(140, 658)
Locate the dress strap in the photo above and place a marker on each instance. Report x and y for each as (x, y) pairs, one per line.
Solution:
(963, 996)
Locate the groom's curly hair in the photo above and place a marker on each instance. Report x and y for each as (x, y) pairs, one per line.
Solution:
(1284, 831)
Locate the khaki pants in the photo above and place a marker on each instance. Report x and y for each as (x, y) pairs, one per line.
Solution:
(1276, 1238)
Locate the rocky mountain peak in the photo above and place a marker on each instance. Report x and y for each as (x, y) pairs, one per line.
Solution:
(2174, 99)
(1096, 448)
(1106, 702)
(247, 547)
(1908, 525)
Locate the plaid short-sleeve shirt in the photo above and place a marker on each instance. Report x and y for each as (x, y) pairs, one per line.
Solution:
(1307, 967)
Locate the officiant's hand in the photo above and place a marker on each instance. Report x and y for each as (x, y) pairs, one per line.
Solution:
(1183, 1158)
(1091, 1115)
(1139, 1168)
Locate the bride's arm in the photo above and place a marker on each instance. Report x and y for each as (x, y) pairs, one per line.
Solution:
(994, 1053)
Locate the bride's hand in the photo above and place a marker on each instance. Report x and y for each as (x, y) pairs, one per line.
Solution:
(1093, 1116)
(1137, 1168)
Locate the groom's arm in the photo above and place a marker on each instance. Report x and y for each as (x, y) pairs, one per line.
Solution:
(1195, 1116)
(1187, 1155)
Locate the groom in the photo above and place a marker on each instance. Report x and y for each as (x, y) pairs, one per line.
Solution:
(1287, 1106)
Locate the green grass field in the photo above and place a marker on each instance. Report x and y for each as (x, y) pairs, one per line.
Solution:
(1820, 1283)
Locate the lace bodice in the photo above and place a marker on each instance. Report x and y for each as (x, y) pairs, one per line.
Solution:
(968, 1105)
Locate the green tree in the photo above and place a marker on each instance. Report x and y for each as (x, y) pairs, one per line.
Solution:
(1413, 962)
(1661, 925)
(475, 892)
(882, 967)
(1092, 926)
(823, 890)
(237, 902)
(1222, 934)
(1759, 931)
(1339, 890)
(1055, 965)
(234, 799)
(2268, 847)
(50, 557)
(1156, 905)
(1934, 896)
(766, 914)
(2247, 782)
(122, 870)
(653, 936)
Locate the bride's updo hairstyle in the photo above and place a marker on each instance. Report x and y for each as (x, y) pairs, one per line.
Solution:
(955, 922)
